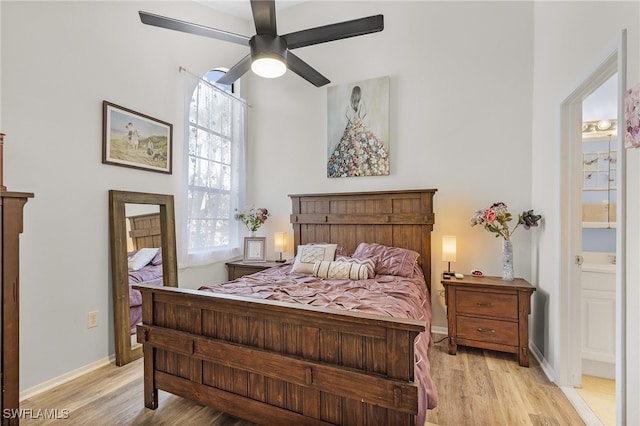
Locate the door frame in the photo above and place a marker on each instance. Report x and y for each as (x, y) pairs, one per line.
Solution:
(569, 371)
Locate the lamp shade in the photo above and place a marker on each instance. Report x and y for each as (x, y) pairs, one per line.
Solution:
(448, 248)
(280, 242)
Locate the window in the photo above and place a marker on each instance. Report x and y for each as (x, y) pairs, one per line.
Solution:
(214, 172)
(213, 76)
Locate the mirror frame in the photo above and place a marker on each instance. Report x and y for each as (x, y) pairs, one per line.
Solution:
(119, 268)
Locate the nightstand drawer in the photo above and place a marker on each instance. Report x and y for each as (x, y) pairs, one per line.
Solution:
(241, 271)
(487, 330)
(239, 268)
(487, 304)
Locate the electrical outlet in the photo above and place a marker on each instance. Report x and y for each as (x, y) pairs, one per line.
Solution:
(92, 319)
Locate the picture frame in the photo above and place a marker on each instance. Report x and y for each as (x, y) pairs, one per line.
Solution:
(632, 117)
(358, 129)
(254, 249)
(136, 140)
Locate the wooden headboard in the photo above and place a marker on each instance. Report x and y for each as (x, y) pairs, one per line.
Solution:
(145, 230)
(392, 218)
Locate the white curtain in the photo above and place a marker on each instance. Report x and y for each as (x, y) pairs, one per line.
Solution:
(214, 173)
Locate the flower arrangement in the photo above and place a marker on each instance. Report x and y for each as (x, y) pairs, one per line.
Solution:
(497, 217)
(253, 218)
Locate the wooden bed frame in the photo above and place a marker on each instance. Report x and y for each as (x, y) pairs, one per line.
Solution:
(145, 231)
(278, 363)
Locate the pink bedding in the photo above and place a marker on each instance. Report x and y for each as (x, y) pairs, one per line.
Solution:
(150, 274)
(387, 295)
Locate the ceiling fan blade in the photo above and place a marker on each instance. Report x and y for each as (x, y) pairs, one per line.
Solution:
(264, 16)
(305, 71)
(188, 27)
(356, 27)
(236, 71)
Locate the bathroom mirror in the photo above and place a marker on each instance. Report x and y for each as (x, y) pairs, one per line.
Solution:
(143, 239)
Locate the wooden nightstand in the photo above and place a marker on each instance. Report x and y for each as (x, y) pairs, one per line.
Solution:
(489, 313)
(239, 268)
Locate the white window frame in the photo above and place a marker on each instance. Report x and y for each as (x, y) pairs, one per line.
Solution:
(205, 137)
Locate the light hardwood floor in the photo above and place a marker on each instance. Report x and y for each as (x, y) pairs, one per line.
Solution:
(476, 387)
(481, 387)
(600, 396)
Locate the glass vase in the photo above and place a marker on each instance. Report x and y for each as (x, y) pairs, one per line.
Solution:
(507, 260)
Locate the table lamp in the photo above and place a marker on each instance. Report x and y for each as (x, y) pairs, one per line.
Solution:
(280, 244)
(448, 254)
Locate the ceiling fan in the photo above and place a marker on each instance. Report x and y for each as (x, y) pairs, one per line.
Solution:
(270, 54)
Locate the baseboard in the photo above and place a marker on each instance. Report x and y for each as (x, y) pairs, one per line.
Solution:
(602, 369)
(439, 330)
(544, 364)
(584, 411)
(57, 381)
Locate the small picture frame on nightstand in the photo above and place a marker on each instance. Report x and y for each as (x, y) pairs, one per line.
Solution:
(254, 249)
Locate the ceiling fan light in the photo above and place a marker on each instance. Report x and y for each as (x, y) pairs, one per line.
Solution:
(269, 55)
(268, 67)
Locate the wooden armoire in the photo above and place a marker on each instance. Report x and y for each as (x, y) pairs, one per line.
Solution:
(11, 206)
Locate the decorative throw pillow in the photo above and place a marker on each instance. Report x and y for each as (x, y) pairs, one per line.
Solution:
(308, 254)
(157, 259)
(141, 258)
(340, 270)
(341, 251)
(369, 264)
(389, 260)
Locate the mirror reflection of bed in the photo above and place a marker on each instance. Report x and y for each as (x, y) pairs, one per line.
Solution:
(144, 255)
(143, 250)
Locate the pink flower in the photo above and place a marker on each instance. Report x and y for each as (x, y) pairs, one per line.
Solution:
(490, 216)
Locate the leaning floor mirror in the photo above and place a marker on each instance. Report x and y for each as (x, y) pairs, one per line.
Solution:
(143, 250)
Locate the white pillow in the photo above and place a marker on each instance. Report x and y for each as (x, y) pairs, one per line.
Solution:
(340, 270)
(142, 258)
(309, 254)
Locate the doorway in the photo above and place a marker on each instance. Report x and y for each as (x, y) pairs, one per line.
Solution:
(598, 256)
(573, 306)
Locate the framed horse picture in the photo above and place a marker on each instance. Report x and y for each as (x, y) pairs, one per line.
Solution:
(132, 139)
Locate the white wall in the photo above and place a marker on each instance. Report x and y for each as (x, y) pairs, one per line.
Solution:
(463, 115)
(460, 94)
(460, 75)
(571, 40)
(60, 60)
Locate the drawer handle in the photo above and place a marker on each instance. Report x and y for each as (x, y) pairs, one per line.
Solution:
(483, 304)
(486, 330)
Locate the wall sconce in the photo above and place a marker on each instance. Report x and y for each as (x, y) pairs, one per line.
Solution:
(280, 244)
(448, 254)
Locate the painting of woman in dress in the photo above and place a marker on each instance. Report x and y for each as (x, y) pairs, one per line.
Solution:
(358, 134)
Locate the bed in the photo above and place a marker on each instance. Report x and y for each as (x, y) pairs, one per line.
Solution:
(144, 260)
(277, 362)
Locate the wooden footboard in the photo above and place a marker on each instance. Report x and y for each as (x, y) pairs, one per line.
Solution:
(278, 363)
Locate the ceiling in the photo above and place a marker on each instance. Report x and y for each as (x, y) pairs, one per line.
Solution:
(600, 105)
(242, 8)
